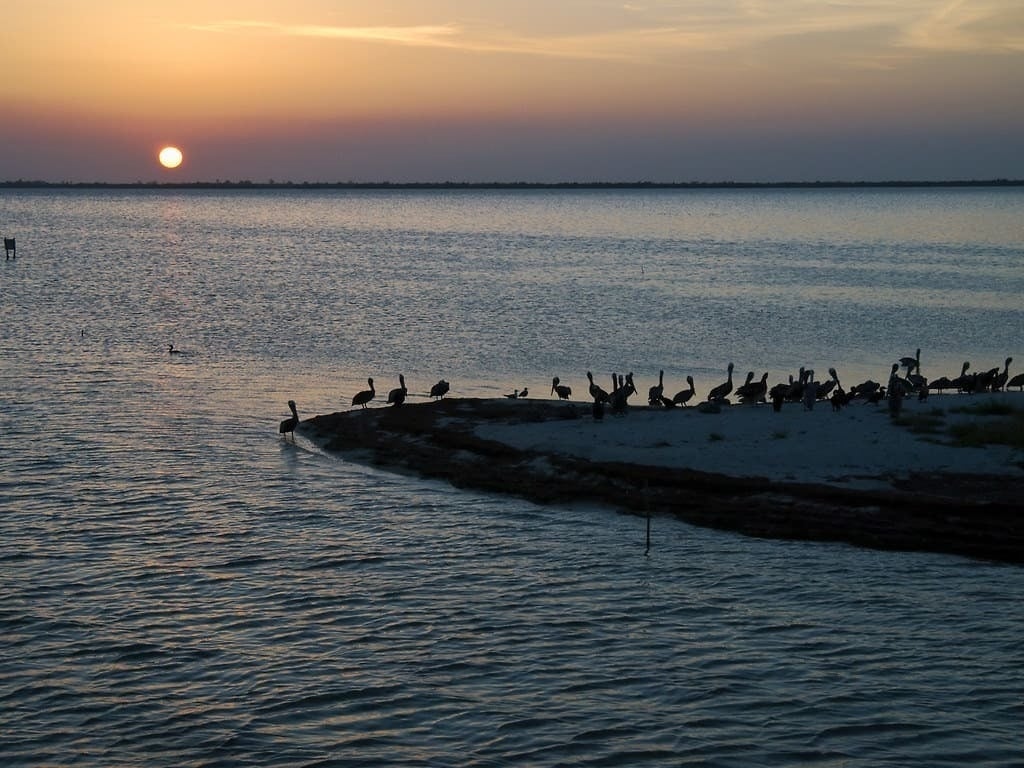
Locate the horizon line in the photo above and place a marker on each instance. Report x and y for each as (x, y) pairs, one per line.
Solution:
(273, 184)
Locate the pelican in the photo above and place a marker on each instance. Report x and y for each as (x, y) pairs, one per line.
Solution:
(722, 390)
(910, 363)
(827, 386)
(362, 398)
(398, 394)
(288, 425)
(962, 382)
(999, 382)
(619, 399)
(654, 394)
(1016, 381)
(563, 391)
(795, 392)
(683, 396)
(440, 389)
(598, 394)
(756, 391)
(741, 390)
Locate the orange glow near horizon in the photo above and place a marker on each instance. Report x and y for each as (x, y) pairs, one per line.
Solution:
(244, 71)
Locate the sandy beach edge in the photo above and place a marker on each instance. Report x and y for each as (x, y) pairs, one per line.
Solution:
(973, 514)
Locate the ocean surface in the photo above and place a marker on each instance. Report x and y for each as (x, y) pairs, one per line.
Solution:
(181, 587)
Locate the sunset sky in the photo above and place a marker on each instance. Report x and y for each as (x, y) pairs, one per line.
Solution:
(531, 90)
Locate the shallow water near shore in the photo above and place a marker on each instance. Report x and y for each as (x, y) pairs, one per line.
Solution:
(181, 587)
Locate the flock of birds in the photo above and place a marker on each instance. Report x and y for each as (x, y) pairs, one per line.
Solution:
(802, 388)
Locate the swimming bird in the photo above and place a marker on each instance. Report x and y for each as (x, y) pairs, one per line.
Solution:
(722, 390)
(654, 393)
(172, 351)
(564, 392)
(440, 389)
(683, 396)
(598, 394)
(288, 425)
(362, 398)
(397, 395)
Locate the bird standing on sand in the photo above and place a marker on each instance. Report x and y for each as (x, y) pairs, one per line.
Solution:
(912, 363)
(440, 389)
(755, 391)
(288, 425)
(1016, 381)
(963, 381)
(564, 392)
(397, 395)
(598, 394)
(654, 393)
(362, 398)
(999, 381)
(683, 396)
(722, 390)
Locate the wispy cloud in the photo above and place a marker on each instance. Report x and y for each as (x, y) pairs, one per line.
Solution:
(659, 27)
(428, 35)
(994, 26)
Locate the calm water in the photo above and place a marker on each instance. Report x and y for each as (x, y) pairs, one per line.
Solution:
(179, 587)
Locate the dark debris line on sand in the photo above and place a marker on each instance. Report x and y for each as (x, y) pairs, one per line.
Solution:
(437, 440)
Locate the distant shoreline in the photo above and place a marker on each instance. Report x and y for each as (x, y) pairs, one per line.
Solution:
(502, 185)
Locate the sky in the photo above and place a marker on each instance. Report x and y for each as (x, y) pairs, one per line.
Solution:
(499, 91)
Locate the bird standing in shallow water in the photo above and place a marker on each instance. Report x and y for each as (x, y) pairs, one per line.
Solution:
(397, 395)
(362, 398)
(288, 425)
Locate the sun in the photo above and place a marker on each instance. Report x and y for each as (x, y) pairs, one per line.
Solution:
(170, 157)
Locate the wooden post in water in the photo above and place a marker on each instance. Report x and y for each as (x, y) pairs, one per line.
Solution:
(9, 249)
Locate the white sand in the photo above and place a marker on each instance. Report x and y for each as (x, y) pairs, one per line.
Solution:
(857, 447)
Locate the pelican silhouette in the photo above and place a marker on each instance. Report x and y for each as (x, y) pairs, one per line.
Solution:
(598, 394)
(362, 398)
(999, 380)
(564, 392)
(288, 425)
(440, 389)
(654, 393)
(397, 395)
(684, 396)
(722, 390)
